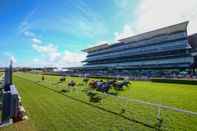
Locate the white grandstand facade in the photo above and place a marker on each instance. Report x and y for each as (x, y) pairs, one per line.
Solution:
(167, 47)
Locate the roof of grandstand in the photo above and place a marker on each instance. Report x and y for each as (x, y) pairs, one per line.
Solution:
(162, 31)
(91, 49)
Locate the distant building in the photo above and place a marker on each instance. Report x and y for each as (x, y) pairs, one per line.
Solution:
(163, 48)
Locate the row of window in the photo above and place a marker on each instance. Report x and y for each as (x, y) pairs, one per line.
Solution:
(143, 43)
(176, 53)
(173, 65)
(150, 49)
(150, 62)
(121, 60)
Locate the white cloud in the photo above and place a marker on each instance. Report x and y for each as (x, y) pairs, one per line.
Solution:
(36, 60)
(13, 59)
(85, 23)
(49, 53)
(157, 13)
(53, 57)
(36, 41)
(28, 34)
(72, 59)
(153, 14)
(127, 31)
(8, 57)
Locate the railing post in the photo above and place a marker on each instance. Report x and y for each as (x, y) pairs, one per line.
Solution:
(159, 119)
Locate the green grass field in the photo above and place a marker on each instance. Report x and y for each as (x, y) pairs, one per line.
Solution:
(1, 73)
(49, 109)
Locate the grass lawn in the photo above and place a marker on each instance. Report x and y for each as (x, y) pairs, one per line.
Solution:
(49, 110)
(1, 73)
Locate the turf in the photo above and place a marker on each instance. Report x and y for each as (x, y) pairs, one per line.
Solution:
(48, 109)
(1, 73)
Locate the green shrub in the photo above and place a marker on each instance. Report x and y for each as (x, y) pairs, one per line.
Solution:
(178, 81)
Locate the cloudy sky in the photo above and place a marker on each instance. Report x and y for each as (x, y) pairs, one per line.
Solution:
(53, 32)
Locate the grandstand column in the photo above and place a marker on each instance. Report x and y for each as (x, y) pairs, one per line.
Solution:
(193, 70)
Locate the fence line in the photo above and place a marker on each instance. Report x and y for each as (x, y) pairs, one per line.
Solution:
(160, 120)
(153, 104)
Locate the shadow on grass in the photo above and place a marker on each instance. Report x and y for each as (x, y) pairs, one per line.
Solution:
(92, 105)
(113, 93)
(57, 83)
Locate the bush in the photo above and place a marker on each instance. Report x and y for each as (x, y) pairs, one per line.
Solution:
(177, 81)
(105, 77)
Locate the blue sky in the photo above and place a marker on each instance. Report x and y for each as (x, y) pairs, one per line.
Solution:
(53, 33)
(66, 25)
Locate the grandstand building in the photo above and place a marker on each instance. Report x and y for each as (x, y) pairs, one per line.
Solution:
(163, 48)
(193, 42)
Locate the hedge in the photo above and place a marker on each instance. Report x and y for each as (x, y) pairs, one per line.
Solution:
(178, 81)
(96, 77)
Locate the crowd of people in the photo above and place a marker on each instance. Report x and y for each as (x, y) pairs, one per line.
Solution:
(136, 74)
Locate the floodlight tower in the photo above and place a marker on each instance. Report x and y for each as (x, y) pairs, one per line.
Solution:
(6, 111)
(8, 77)
(10, 71)
(12, 109)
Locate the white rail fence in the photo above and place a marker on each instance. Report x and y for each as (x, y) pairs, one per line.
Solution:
(163, 117)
